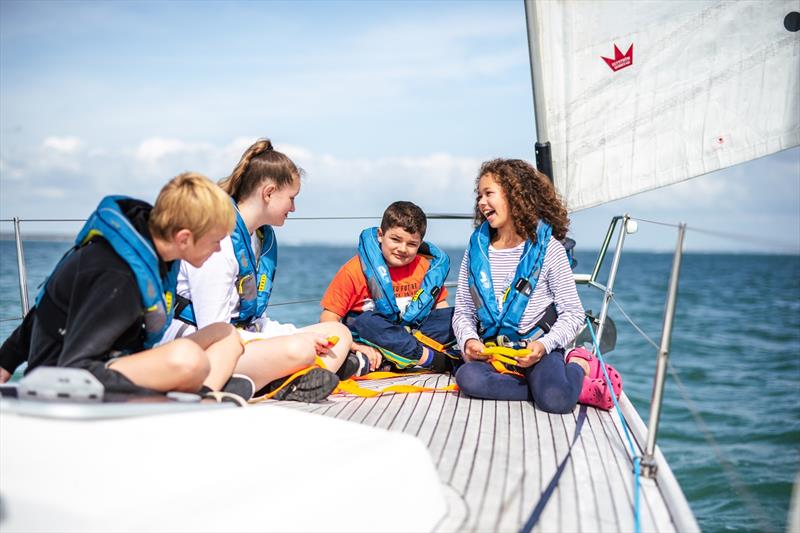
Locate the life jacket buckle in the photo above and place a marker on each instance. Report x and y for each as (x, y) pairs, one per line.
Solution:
(524, 286)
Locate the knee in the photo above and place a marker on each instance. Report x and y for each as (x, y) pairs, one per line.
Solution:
(188, 363)
(470, 379)
(341, 331)
(366, 321)
(300, 351)
(553, 399)
(230, 336)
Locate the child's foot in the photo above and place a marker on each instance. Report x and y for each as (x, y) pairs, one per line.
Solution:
(581, 363)
(434, 360)
(240, 385)
(356, 364)
(311, 387)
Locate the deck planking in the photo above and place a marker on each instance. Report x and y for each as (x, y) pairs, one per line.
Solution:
(496, 458)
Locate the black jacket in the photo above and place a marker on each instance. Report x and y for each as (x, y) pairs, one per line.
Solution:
(91, 312)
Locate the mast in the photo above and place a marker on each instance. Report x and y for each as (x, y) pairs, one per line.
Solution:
(544, 160)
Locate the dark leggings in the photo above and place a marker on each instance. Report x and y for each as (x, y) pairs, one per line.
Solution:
(553, 385)
(381, 331)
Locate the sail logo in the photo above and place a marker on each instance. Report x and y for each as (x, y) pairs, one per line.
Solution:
(485, 280)
(620, 60)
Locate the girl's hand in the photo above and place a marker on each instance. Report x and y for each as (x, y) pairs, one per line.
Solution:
(537, 352)
(473, 351)
(373, 354)
(5, 375)
(321, 344)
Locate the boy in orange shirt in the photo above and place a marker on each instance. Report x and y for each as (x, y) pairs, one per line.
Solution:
(389, 290)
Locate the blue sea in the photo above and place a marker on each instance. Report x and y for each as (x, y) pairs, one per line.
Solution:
(735, 347)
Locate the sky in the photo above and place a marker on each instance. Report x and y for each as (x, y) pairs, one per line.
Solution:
(376, 101)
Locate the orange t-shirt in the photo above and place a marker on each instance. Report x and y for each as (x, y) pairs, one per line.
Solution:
(348, 289)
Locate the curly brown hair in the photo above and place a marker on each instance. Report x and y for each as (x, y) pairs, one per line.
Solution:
(530, 195)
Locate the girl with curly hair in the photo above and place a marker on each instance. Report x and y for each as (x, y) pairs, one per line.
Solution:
(515, 287)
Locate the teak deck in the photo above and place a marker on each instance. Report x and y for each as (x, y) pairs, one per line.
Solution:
(499, 461)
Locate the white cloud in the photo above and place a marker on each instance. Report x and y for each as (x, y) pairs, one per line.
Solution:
(65, 145)
(50, 192)
(334, 186)
(41, 183)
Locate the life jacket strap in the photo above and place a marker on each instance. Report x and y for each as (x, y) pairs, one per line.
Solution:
(181, 303)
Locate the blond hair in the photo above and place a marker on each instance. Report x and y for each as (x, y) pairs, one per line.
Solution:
(191, 201)
(260, 163)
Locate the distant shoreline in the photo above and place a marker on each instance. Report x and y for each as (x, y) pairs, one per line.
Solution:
(47, 237)
(56, 238)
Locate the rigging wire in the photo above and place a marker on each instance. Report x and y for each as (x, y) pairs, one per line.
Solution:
(726, 464)
(656, 222)
(722, 458)
(636, 327)
(293, 302)
(785, 245)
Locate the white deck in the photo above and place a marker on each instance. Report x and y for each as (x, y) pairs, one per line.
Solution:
(446, 463)
(495, 460)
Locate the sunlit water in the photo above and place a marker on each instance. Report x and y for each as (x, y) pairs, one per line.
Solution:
(736, 347)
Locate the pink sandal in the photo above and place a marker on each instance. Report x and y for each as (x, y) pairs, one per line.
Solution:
(595, 389)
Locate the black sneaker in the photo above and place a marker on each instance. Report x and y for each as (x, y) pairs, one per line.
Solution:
(441, 362)
(356, 364)
(240, 385)
(312, 387)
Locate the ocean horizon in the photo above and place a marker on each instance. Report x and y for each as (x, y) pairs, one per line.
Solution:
(735, 346)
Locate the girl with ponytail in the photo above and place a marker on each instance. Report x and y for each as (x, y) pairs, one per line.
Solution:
(234, 286)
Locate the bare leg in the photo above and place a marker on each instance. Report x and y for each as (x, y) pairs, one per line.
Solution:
(183, 364)
(333, 358)
(269, 359)
(223, 347)
(180, 365)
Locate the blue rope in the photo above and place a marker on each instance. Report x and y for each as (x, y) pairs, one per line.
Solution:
(636, 458)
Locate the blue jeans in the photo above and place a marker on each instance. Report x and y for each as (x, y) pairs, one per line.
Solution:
(553, 385)
(379, 330)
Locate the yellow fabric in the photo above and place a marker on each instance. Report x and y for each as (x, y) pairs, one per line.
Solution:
(350, 386)
(387, 375)
(500, 356)
(429, 342)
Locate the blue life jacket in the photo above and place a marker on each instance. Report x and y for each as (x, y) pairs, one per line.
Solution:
(379, 282)
(158, 294)
(255, 279)
(491, 321)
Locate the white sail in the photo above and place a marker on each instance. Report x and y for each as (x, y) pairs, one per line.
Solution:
(637, 95)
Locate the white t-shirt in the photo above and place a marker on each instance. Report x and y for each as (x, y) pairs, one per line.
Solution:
(212, 290)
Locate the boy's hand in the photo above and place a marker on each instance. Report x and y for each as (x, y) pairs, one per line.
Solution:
(5, 375)
(473, 351)
(537, 352)
(373, 354)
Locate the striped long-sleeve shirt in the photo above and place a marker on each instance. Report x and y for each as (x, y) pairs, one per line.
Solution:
(555, 285)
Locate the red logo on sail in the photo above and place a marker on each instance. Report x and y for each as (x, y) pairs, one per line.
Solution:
(620, 60)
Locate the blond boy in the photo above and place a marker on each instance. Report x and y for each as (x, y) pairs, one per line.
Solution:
(108, 302)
